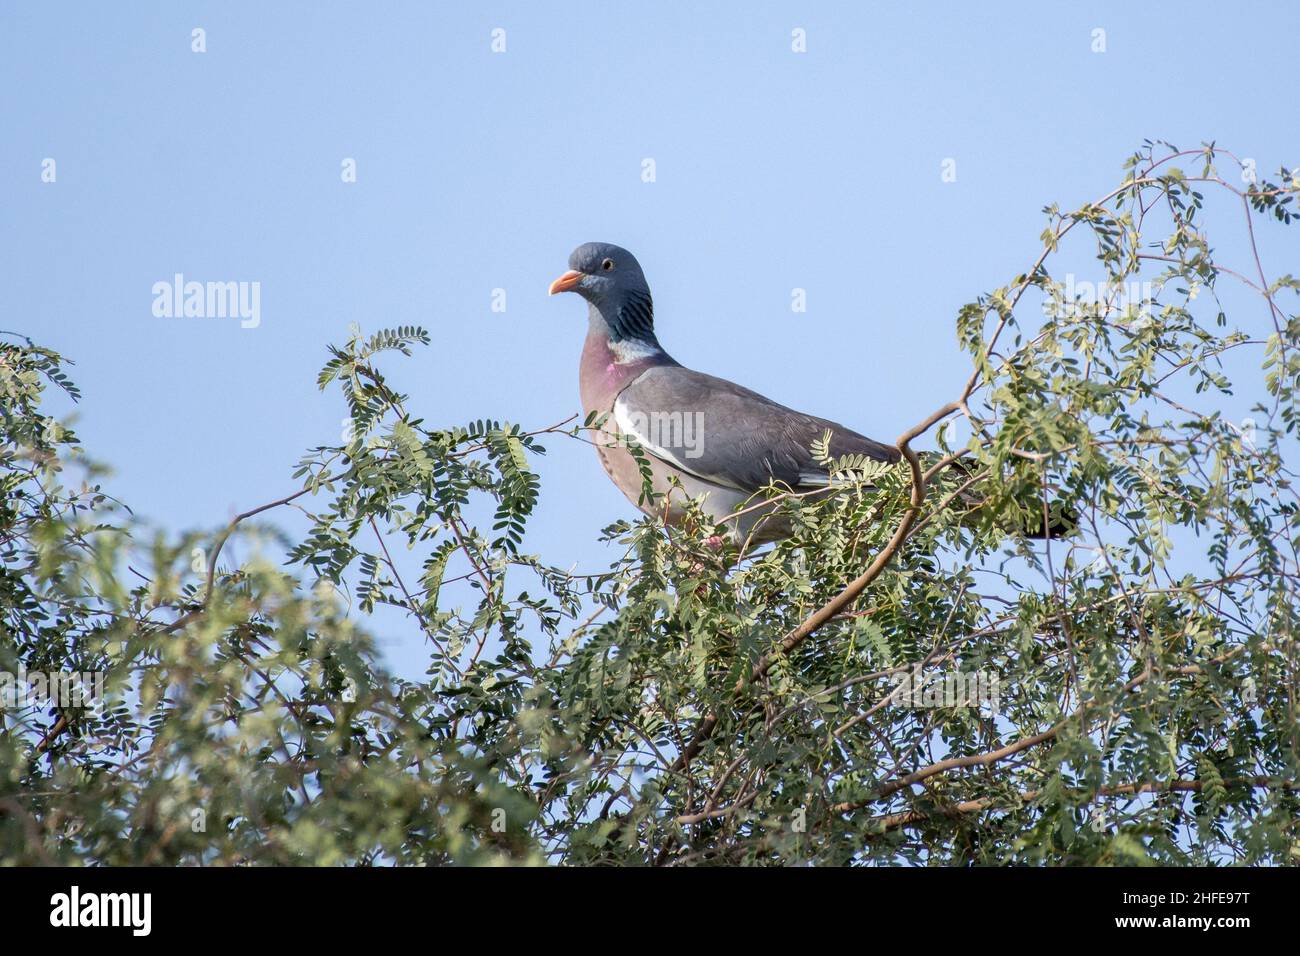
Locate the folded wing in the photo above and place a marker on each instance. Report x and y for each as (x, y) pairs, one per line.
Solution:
(728, 435)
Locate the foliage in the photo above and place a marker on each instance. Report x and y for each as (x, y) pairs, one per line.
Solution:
(691, 706)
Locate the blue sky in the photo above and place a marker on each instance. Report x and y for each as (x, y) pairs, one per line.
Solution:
(479, 170)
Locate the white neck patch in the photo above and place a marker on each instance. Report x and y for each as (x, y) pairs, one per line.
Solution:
(627, 351)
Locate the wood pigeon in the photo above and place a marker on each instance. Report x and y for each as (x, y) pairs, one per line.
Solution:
(719, 440)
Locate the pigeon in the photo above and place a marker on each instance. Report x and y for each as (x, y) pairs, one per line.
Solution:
(703, 437)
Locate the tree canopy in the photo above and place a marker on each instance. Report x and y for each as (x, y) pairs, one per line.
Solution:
(906, 679)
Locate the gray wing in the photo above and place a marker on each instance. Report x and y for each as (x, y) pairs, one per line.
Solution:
(726, 434)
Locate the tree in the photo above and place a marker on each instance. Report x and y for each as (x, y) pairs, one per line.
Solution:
(902, 681)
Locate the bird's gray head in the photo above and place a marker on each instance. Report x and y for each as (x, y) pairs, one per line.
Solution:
(611, 281)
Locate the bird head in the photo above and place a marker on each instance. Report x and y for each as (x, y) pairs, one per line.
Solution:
(611, 281)
(601, 271)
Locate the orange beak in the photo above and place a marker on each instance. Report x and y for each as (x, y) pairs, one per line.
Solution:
(565, 282)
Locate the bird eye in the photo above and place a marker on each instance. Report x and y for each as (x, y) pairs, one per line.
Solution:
(607, 265)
